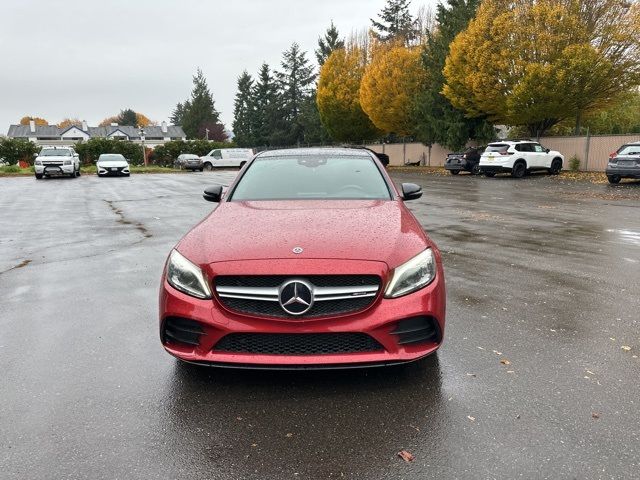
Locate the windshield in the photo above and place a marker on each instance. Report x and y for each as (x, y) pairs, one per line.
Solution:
(55, 152)
(629, 150)
(110, 158)
(497, 147)
(312, 177)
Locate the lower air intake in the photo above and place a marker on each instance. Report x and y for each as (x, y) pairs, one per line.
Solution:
(297, 343)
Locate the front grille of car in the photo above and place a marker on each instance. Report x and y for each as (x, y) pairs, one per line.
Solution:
(333, 294)
(297, 343)
(51, 164)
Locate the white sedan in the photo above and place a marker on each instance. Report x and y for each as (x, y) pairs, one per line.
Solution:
(112, 164)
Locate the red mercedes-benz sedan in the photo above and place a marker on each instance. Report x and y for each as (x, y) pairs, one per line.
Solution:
(311, 260)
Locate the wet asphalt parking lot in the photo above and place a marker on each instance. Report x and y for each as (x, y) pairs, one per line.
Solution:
(537, 378)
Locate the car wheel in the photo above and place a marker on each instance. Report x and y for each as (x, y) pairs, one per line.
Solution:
(614, 178)
(475, 170)
(556, 166)
(242, 164)
(208, 167)
(519, 170)
(454, 172)
(490, 174)
(39, 176)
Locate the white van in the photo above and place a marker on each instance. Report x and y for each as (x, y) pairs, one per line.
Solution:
(226, 157)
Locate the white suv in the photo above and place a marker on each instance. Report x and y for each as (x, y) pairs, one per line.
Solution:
(57, 161)
(518, 158)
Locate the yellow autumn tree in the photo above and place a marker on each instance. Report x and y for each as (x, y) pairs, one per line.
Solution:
(389, 86)
(556, 64)
(39, 121)
(143, 121)
(338, 96)
(67, 122)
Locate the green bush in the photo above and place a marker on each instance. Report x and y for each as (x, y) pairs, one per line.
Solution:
(166, 154)
(14, 149)
(574, 164)
(90, 150)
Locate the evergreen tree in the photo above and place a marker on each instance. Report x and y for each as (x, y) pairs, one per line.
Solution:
(268, 116)
(178, 113)
(243, 112)
(295, 82)
(314, 131)
(328, 43)
(396, 22)
(128, 117)
(200, 108)
(436, 120)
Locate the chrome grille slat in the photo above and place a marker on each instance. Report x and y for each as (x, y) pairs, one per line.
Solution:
(259, 295)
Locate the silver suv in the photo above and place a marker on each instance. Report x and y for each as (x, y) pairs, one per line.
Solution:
(57, 161)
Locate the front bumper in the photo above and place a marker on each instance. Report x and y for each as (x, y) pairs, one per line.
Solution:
(623, 172)
(113, 171)
(380, 321)
(54, 169)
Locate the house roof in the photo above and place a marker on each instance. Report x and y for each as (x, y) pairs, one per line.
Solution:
(52, 131)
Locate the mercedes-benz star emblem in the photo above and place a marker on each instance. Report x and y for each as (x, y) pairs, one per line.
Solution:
(297, 250)
(296, 297)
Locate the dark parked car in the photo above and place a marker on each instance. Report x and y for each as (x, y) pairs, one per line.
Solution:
(467, 161)
(625, 163)
(188, 161)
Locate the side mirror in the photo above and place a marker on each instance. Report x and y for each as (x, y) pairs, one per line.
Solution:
(35, 155)
(547, 150)
(411, 191)
(213, 194)
(76, 155)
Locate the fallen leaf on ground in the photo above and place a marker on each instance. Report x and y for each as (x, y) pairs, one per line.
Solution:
(504, 361)
(511, 371)
(473, 419)
(595, 415)
(590, 372)
(497, 352)
(625, 348)
(406, 456)
(471, 374)
(289, 435)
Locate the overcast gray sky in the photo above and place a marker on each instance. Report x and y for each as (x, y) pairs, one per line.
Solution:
(89, 59)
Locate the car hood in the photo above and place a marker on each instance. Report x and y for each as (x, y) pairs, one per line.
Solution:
(330, 229)
(112, 163)
(55, 158)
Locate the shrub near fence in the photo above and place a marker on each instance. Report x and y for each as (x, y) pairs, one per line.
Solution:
(90, 150)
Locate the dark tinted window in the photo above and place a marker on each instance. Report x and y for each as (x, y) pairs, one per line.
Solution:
(525, 147)
(497, 147)
(629, 150)
(312, 177)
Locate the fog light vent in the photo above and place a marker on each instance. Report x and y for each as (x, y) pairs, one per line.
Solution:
(182, 330)
(416, 330)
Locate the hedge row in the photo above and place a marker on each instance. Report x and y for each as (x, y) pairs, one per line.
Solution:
(13, 150)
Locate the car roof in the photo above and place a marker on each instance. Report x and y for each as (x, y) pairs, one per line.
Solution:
(511, 142)
(298, 152)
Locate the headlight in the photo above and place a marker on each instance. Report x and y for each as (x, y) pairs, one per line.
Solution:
(412, 275)
(186, 277)
(67, 162)
(38, 162)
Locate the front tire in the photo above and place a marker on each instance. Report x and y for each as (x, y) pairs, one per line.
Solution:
(519, 170)
(475, 170)
(556, 167)
(454, 172)
(39, 176)
(208, 167)
(614, 179)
